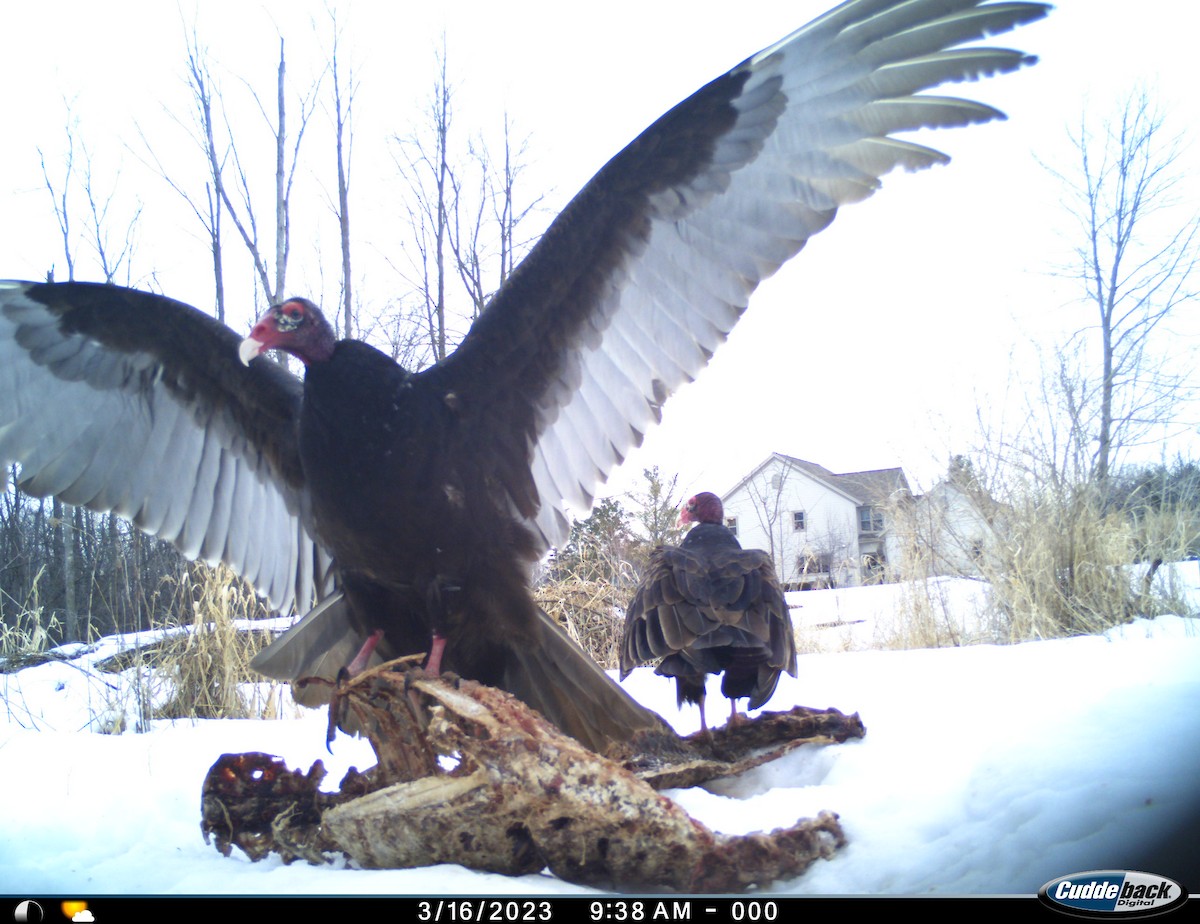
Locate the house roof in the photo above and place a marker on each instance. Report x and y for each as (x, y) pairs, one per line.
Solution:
(877, 486)
(865, 488)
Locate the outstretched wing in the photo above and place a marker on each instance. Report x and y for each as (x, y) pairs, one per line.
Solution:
(125, 401)
(646, 271)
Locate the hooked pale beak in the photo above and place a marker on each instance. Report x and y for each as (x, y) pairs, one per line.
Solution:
(250, 348)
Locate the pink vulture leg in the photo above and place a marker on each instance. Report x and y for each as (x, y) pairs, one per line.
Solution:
(735, 717)
(433, 664)
(359, 664)
(337, 702)
(437, 607)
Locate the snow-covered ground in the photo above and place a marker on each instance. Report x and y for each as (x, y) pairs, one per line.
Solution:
(988, 769)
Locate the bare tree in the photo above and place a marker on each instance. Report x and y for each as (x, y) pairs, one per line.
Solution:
(201, 130)
(228, 185)
(466, 222)
(767, 494)
(287, 159)
(115, 254)
(483, 245)
(343, 104)
(424, 165)
(1063, 544)
(1135, 263)
(60, 197)
(510, 217)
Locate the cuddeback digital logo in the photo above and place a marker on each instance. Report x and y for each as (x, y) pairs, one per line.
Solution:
(1103, 893)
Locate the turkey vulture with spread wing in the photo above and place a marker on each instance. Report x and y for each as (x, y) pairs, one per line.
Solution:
(407, 508)
(708, 606)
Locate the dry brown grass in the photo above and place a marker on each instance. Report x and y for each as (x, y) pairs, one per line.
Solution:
(26, 630)
(207, 668)
(1076, 568)
(1056, 565)
(587, 609)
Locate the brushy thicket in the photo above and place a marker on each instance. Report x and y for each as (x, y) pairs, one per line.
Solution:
(196, 665)
(586, 585)
(590, 612)
(1059, 560)
(80, 574)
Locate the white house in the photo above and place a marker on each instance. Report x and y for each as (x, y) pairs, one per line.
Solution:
(823, 529)
(952, 529)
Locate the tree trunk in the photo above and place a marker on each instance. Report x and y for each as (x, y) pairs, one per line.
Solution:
(66, 541)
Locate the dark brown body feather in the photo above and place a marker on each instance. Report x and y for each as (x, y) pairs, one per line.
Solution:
(708, 606)
(413, 514)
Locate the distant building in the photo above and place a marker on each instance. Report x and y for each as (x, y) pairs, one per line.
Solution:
(823, 529)
(951, 529)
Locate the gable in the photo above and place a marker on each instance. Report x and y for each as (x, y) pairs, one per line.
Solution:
(870, 488)
(788, 470)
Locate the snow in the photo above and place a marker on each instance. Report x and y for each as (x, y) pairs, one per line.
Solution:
(985, 770)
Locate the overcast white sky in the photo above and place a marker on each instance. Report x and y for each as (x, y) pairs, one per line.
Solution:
(872, 349)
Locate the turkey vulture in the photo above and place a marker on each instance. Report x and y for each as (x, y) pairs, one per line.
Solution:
(407, 508)
(708, 606)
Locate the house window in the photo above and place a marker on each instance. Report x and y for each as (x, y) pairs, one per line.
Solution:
(870, 520)
(731, 522)
(798, 522)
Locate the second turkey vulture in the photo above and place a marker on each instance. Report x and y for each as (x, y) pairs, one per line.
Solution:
(708, 606)
(407, 508)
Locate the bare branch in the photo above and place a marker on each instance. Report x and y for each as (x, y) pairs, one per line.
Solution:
(463, 210)
(111, 260)
(244, 216)
(1136, 263)
(59, 197)
(112, 256)
(343, 101)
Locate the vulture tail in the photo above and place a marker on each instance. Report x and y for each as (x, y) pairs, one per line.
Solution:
(562, 682)
(319, 645)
